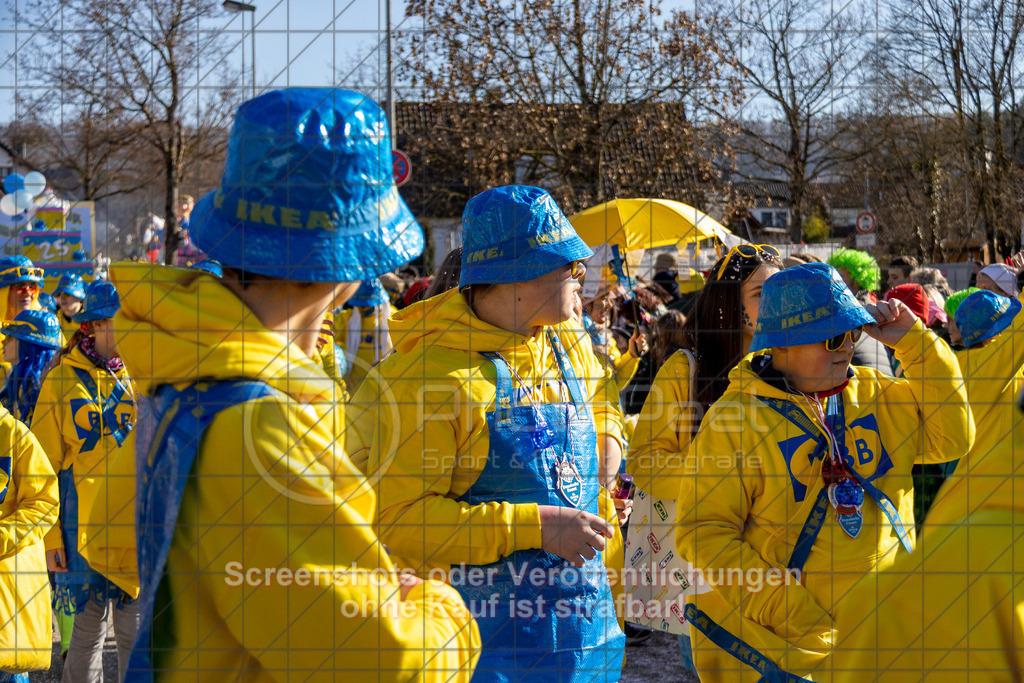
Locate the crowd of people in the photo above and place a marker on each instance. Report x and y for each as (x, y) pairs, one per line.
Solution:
(298, 459)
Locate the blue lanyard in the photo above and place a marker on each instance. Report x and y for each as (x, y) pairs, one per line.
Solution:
(837, 424)
(108, 411)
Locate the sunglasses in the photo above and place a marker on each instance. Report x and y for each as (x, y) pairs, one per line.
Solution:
(746, 251)
(577, 269)
(25, 287)
(22, 271)
(837, 342)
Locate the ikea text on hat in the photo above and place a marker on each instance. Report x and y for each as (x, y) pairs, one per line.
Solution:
(307, 191)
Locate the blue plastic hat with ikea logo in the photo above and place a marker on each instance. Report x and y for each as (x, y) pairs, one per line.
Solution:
(47, 302)
(72, 285)
(308, 191)
(370, 294)
(18, 269)
(806, 304)
(983, 315)
(101, 302)
(37, 327)
(514, 234)
(210, 266)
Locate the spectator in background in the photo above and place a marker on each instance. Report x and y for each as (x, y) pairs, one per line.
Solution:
(999, 278)
(447, 275)
(931, 276)
(393, 285)
(900, 269)
(665, 274)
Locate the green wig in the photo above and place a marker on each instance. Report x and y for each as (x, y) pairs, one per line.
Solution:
(956, 298)
(861, 266)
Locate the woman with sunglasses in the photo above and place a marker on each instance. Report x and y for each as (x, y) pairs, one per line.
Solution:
(496, 432)
(84, 420)
(800, 477)
(716, 336)
(22, 282)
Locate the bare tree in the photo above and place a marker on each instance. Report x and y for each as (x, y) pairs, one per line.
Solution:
(589, 98)
(964, 59)
(152, 70)
(798, 60)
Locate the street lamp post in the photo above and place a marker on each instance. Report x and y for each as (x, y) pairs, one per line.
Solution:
(233, 6)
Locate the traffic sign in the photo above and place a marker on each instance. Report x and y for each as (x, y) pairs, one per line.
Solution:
(865, 222)
(401, 166)
(865, 240)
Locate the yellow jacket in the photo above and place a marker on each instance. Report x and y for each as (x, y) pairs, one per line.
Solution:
(994, 377)
(662, 434)
(738, 510)
(27, 512)
(954, 610)
(63, 417)
(277, 510)
(68, 327)
(421, 431)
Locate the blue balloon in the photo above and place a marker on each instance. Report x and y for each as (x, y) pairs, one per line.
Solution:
(13, 183)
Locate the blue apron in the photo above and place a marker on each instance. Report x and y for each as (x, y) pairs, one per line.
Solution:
(74, 588)
(171, 427)
(541, 618)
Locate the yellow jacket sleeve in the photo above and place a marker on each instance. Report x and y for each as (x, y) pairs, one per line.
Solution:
(418, 521)
(714, 508)
(46, 425)
(662, 437)
(31, 508)
(277, 534)
(931, 378)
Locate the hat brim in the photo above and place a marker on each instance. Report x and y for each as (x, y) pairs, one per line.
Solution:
(348, 253)
(812, 333)
(77, 293)
(92, 315)
(999, 325)
(530, 265)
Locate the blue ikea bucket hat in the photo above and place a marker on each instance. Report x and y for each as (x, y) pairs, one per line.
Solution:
(514, 234)
(210, 266)
(101, 302)
(308, 191)
(983, 315)
(47, 302)
(17, 269)
(370, 293)
(806, 304)
(70, 284)
(37, 327)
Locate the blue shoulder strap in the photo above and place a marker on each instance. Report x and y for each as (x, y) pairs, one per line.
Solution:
(503, 387)
(568, 374)
(164, 462)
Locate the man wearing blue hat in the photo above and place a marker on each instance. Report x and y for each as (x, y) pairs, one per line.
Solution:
(70, 294)
(819, 492)
(264, 565)
(497, 418)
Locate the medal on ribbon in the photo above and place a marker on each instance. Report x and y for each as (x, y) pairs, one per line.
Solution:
(568, 481)
(847, 497)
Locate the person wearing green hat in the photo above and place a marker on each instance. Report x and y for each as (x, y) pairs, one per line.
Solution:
(264, 564)
(819, 491)
(498, 432)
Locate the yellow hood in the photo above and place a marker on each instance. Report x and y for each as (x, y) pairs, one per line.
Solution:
(179, 326)
(449, 322)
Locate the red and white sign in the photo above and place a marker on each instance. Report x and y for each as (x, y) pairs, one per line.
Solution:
(401, 166)
(865, 222)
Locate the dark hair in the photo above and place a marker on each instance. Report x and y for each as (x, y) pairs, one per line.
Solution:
(447, 275)
(715, 328)
(669, 335)
(904, 263)
(75, 340)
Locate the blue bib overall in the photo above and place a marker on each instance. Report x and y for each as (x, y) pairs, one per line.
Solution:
(541, 618)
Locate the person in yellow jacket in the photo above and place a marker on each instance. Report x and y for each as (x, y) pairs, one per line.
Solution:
(954, 609)
(992, 365)
(493, 439)
(21, 282)
(84, 415)
(28, 510)
(362, 331)
(264, 565)
(799, 480)
(70, 294)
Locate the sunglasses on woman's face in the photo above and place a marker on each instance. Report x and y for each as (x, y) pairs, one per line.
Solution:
(745, 251)
(837, 342)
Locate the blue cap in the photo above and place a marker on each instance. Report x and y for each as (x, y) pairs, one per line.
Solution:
(79, 255)
(101, 302)
(514, 234)
(38, 327)
(210, 266)
(47, 302)
(370, 293)
(15, 269)
(983, 315)
(806, 304)
(308, 191)
(71, 284)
